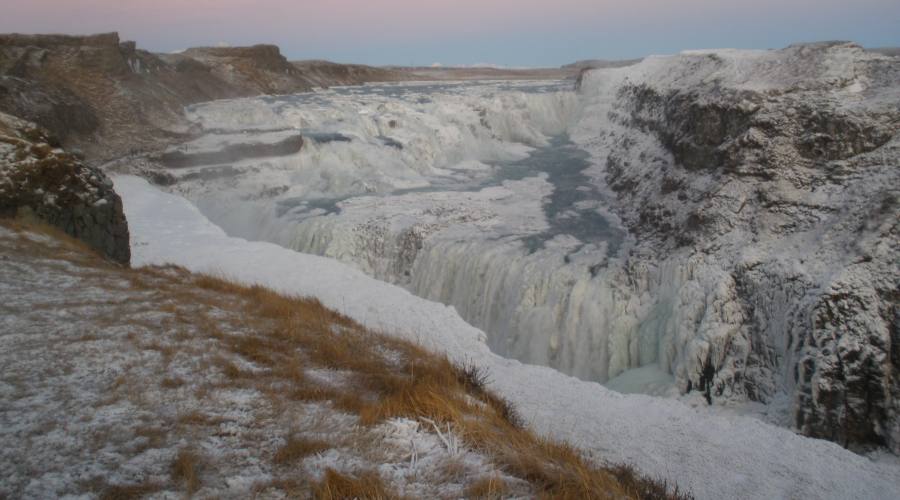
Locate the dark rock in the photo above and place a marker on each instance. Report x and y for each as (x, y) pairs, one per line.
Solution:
(232, 153)
(60, 111)
(390, 142)
(37, 180)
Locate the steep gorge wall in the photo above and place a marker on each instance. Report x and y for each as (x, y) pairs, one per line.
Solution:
(776, 172)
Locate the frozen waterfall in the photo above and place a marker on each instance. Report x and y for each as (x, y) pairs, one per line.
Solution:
(468, 194)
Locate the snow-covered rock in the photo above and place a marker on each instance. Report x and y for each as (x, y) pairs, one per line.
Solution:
(769, 181)
(37, 179)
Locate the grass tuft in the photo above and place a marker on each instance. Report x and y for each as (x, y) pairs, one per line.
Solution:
(488, 488)
(185, 470)
(128, 491)
(368, 485)
(171, 383)
(198, 418)
(296, 448)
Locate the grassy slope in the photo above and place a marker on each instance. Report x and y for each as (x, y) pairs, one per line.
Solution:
(215, 336)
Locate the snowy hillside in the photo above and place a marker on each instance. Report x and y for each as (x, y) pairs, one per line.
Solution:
(161, 383)
(663, 438)
(132, 389)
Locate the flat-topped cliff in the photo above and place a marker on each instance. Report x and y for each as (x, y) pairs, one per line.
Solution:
(108, 98)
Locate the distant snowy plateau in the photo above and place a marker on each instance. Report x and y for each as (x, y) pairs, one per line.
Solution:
(715, 226)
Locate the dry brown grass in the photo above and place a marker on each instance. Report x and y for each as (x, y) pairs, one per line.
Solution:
(155, 435)
(167, 351)
(172, 383)
(388, 378)
(185, 469)
(124, 386)
(640, 487)
(421, 386)
(488, 488)
(129, 492)
(202, 392)
(297, 448)
(368, 485)
(198, 418)
(70, 249)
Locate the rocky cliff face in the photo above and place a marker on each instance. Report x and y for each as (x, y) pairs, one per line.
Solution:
(326, 74)
(38, 179)
(108, 98)
(260, 69)
(772, 181)
(105, 97)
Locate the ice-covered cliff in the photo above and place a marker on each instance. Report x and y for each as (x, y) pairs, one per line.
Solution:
(763, 190)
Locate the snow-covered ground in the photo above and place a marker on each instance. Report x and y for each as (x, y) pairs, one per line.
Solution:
(713, 456)
(107, 377)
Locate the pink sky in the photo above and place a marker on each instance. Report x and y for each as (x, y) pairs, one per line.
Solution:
(530, 32)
